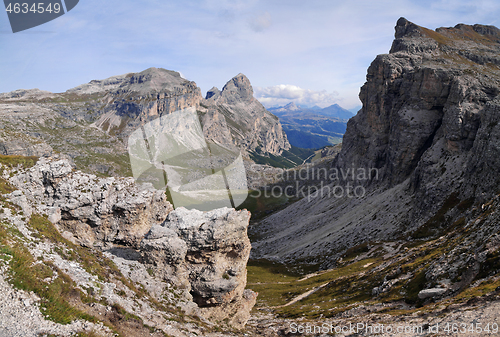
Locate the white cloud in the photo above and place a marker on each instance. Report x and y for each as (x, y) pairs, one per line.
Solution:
(285, 93)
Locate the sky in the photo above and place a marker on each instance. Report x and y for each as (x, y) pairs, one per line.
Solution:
(312, 52)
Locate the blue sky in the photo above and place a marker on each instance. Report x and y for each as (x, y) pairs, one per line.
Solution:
(309, 52)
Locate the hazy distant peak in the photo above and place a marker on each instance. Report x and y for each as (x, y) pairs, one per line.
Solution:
(291, 107)
(334, 110)
(94, 86)
(25, 93)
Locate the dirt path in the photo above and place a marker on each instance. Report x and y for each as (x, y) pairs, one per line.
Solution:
(301, 296)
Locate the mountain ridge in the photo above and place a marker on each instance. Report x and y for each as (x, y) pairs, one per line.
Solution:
(333, 110)
(105, 112)
(413, 239)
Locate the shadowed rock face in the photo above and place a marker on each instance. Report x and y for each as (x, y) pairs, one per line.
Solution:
(429, 125)
(204, 253)
(433, 92)
(135, 99)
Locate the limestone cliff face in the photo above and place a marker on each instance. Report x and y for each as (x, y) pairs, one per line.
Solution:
(207, 254)
(431, 99)
(428, 125)
(136, 99)
(97, 212)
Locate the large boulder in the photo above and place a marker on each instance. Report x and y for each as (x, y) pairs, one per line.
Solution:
(205, 253)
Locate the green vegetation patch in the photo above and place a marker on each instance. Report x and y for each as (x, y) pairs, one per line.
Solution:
(261, 204)
(94, 262)
(14, 161)
(6, 187)
(54, 287)
(338, 287)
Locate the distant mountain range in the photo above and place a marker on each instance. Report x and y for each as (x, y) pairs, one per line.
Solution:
(314, 127)
(334, 110)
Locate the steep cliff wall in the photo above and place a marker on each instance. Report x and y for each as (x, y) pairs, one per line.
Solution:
(143, 97)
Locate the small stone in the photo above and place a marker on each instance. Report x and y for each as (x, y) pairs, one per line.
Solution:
(431, 292)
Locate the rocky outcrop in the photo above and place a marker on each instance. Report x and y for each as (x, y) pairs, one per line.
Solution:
(426, 134)
(96, 211)
(205, 253)
(431, 292)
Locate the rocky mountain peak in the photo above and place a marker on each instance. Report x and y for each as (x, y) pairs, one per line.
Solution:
(213, 93)
(405, 28)
(144, 82)
(234, 115)
(155, 79)
(470, 32)
(461, 39)
(486, 30)
(238, 88)
(291, 107)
